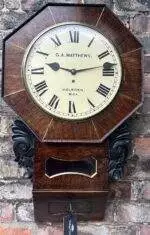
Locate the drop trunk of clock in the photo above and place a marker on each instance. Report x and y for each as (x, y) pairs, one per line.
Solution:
(67, 176)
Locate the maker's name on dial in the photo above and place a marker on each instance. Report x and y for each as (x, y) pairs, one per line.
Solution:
(73, 55)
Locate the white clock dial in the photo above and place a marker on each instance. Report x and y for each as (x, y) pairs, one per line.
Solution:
(72, 71)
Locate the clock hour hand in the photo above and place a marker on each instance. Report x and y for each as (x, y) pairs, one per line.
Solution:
(55, 66)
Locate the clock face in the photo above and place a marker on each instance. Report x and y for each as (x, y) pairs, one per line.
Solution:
(72, 71)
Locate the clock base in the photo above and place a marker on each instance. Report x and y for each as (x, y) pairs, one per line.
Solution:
(53, 207)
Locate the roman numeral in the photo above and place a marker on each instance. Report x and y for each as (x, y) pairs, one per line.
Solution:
(42, 53)
(38, 70)
(108, 72)
(103, 90)
(41, 87)
(91, 42)
(72, 108)
(56, 40)
(90, 103)
(108, 69)
(105, 53)
(54, 101)
(74, 36)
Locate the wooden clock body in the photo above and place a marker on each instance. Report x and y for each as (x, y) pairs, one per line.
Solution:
(72, 141)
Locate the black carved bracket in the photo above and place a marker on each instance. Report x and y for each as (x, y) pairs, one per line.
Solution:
(23, 146)
(119, 147)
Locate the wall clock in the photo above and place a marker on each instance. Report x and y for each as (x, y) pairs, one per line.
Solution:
(73, 74)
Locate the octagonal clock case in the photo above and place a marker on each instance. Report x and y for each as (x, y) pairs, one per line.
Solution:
(73, 75)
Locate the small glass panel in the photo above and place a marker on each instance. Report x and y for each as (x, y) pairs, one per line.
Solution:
(56, 167)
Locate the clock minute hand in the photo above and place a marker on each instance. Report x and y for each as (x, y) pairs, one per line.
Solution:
(55, 66)
(81, 70)
(105, 65)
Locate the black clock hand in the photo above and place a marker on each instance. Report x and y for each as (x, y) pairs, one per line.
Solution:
(85, 69)
(55, 66)
(106, 65)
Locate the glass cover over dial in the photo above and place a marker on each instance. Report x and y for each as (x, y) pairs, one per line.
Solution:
(72, 71)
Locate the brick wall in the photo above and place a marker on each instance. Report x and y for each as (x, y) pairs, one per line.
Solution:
(128, 209)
